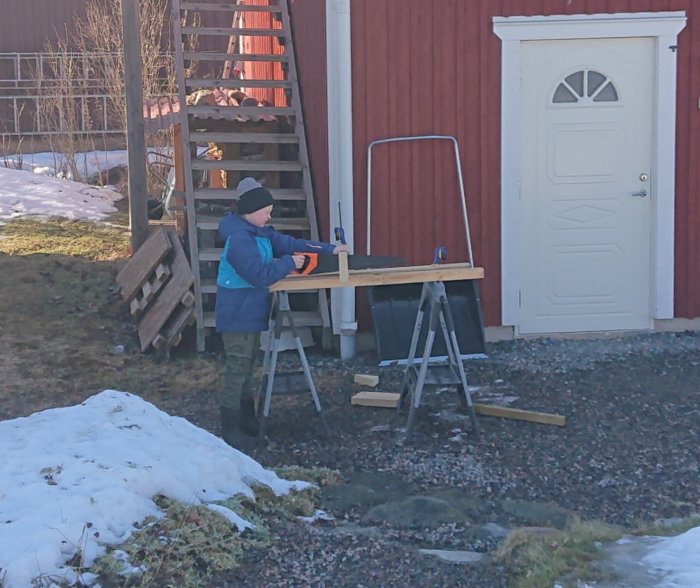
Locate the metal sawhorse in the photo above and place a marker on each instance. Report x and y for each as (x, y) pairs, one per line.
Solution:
(417, 375)
(281, 318)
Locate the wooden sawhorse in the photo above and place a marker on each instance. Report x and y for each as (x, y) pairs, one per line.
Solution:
(434, 304)
(281, 318)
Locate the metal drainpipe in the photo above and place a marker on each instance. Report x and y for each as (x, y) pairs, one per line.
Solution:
(340, 178)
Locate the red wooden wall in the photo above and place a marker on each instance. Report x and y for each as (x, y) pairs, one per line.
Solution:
(263, 45)
(26, 25)
(434, 67)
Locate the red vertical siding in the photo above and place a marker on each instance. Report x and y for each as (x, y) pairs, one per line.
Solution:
(442, 73)
(687, 262)
(263, 45)
(27, 25)
(434, 67)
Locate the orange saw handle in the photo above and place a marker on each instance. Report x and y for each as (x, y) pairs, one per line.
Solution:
(310, 264)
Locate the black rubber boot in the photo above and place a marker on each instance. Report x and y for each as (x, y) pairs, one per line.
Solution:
(231, 431)
(249, 421)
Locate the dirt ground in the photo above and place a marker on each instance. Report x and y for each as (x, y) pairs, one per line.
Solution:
(628, 454)
(62, 328)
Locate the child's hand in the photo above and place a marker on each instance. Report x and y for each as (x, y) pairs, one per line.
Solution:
(339, 248)
(298, 261)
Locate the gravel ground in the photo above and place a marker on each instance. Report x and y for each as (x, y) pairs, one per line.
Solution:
(629, 453)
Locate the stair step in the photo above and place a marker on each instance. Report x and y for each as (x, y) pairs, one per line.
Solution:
(233, 112)
(211, 223)
(233, 32)
(208, 286)
(215, 56)
(210, 253)
(219, 7)
(233, 137)
(248, 165)
(224, 194)
(308, 318)
(233, 83)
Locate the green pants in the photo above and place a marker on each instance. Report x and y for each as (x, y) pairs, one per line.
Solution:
(240, 367)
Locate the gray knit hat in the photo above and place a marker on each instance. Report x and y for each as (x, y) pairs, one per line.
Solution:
(252, 196)
(245, 185)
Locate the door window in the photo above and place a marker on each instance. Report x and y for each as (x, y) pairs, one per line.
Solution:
(585, 87)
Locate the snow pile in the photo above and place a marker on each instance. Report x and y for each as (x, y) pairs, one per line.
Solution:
(88, 164)
(83, 475)
(677, 560)
(26, 194)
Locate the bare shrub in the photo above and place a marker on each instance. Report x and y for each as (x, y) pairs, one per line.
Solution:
(63, 86)
(99, 35)
(89, 62)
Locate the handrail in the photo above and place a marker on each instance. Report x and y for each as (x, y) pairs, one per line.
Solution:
(459, 179)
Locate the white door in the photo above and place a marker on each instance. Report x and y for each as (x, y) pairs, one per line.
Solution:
(585, 189)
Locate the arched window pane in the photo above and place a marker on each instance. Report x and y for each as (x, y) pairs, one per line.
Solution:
(563, 94)
(607, 94)
(595, 81)
(575, 80)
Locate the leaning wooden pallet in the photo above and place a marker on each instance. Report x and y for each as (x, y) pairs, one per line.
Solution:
(144, 262)
(156, 283)
(254, 137)
(175, 295)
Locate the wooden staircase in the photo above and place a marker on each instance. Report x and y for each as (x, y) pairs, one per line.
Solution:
(257, 127)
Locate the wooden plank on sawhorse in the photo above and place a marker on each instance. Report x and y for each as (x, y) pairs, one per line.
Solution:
(176, 291)
(418, 274)
(143, 263)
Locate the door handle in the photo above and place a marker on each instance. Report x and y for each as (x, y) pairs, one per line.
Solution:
(640, 194)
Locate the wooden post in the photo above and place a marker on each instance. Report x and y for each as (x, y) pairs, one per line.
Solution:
(135, 136)
(179, 162)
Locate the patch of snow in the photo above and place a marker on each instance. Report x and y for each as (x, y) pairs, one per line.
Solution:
(24, 194)
(83, 476)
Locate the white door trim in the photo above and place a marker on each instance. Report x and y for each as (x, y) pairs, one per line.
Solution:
(664, 27)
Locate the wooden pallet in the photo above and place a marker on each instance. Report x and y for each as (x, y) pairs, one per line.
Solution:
(175, 293)
(143, 263)
(157, 284)
(149, 290)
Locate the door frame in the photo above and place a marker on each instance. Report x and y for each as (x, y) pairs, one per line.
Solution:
(664, 28)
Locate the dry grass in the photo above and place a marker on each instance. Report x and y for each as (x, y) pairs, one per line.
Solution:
(191, 545)
(539, 558)
(59, 236)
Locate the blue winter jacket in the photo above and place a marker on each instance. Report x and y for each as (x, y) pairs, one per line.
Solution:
(254, 258)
